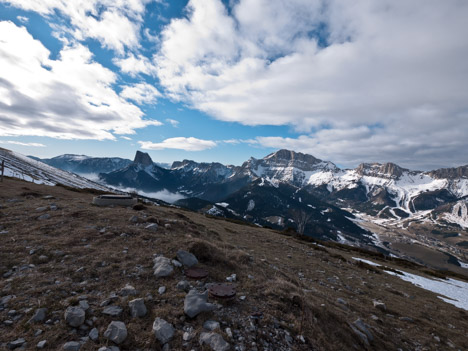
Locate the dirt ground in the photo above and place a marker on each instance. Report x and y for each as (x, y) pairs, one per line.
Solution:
(309, 296)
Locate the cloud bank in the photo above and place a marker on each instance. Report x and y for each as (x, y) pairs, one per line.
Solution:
(378, 79)
(67, 98)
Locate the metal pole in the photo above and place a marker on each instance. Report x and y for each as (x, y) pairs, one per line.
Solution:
(3, 168)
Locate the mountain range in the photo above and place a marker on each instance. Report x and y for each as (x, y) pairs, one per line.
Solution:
(375, 204)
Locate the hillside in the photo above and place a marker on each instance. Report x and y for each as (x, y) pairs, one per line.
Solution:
(28, 169)
(59, 251)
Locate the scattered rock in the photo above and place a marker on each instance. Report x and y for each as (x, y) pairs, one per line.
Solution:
(162, 267)
(362, 330)
(15, 344)
(84, 305)
(72, 346)
(41, 344)
(228, 332)
(232, 278)
(380, 305)
(128, 290)
(109, 348)
(74, 316)
(116, 332)
(44, 217)
(39, 315)
(176, 263)
(186, 258)
(137, 307)
(94, 334)
(153, 227)
(211, 325)
(113, 311)
(215, 341)
(163, 330)
(135, 219)
(183, 285)
(195, 303)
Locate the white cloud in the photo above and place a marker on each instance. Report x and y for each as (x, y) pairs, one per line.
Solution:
(23, 19)
(173, 122)
(180, 143)
(114, 23)
(140, 93)
(398, 65)
(69, 98)
(125, 138)
(134, 65)
(12, 142)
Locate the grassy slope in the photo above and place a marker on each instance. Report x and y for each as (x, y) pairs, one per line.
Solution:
(91, 237)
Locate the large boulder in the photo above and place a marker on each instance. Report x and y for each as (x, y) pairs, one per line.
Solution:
(195, 303)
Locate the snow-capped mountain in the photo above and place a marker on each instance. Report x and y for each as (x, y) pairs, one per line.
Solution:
(28, 169)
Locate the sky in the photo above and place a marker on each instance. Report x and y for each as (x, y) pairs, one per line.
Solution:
(211, 80)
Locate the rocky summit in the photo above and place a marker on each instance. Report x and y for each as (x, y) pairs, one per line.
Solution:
(87, 278)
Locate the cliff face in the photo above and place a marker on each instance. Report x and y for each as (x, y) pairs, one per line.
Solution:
(388, 169)
(450, 173)
(143, 159)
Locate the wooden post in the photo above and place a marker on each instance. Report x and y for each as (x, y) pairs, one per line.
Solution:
(3, 168)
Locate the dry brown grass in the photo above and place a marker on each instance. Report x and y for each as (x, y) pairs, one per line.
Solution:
(94, 238)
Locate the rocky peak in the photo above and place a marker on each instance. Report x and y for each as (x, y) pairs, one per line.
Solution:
(286, 156)
(142, 158)
(388, 169)
(182, 164)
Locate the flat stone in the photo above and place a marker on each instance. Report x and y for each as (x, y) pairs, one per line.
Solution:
(186, 258)
(163, 330)
(113, 311)
(161, 290)
(39, 315)
(195, 303)
(215, 341)
(137, 308)
(74, 316)
(116, 332)
(72, 346)
(162, 267)
(44, 217)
